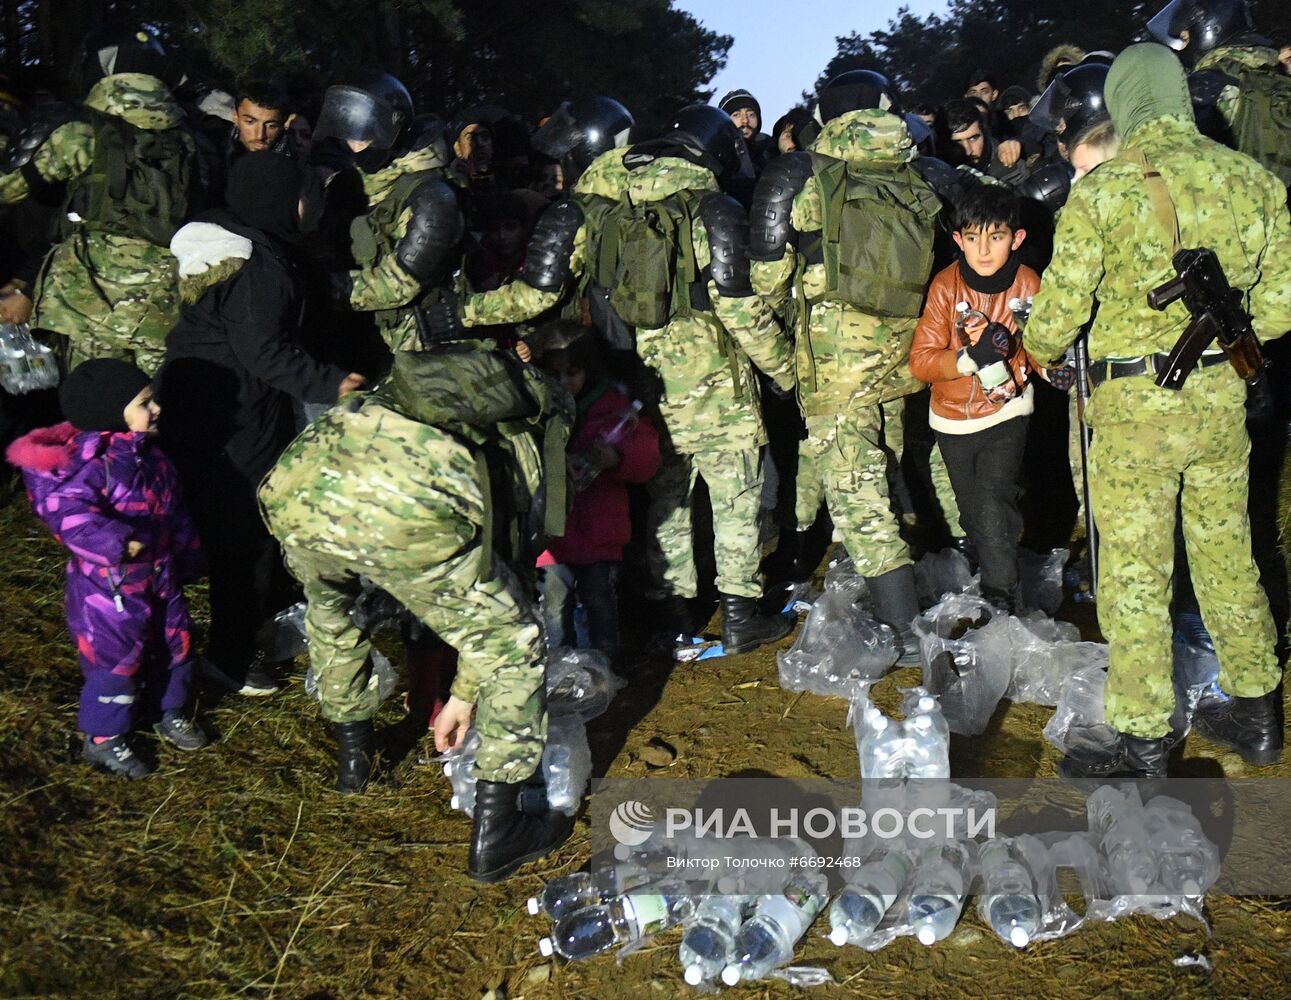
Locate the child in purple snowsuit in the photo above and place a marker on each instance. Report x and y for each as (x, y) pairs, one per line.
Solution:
(112, 498)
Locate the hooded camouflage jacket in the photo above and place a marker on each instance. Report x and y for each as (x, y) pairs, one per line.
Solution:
(1111, 249)
(605, 178)
(381, 284)
(856, 359)
(1237, 62)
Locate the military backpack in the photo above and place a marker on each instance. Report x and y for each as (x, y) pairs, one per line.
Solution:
(876, 236)
(515, 420)
(141, 183)
(650, 246)
(1262, 125)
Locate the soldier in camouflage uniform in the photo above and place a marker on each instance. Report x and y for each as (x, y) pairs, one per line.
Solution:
(1114, 247)
(409, 241)
(113, 293)
(848, 363)
(367, 491)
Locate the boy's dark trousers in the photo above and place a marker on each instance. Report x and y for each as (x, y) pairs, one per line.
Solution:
(596, 585)
(984, 468)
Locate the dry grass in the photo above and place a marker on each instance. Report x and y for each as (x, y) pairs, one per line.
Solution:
(236, 871)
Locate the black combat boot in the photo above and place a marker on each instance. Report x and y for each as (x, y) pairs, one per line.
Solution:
(745, 628)
(1128, 757)
(1251, 727)
(896, 605)
(353, 755)
(504, 838)
(669, 618)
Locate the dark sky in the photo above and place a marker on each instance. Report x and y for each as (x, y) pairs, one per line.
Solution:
(782, 45)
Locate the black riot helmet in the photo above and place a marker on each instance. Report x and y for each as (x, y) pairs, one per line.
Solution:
(581, 130)
(376, 110)
(1049, 185)
(709, 134)
(122, 49)
(1209, 23)
(1075, 100)
(856, 90)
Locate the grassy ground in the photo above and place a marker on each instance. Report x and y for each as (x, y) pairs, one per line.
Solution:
(237, 871)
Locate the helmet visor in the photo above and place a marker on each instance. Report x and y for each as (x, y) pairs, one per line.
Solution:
(354, 115)
(559, 134)
(1162, 26)
(1047, 112)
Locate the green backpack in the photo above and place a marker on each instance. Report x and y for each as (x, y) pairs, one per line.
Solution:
(1262, 124)
(876, 238)
(515, 420)
(141, 183)
(656, 278)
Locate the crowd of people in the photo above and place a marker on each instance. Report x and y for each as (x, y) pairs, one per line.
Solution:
(468, 361)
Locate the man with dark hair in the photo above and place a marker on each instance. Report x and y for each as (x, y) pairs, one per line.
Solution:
(970, 142)
(982, 85)
(746, 113)
(260, 120)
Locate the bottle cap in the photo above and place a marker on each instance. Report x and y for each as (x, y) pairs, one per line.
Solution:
(693, 975)
(1191, 888)
(731, 975)
(545, 947)
(839, 936)
(1018, 937)
(927, 703)
(926, 935)
(533, 907)
(455, 802)
(961, 307)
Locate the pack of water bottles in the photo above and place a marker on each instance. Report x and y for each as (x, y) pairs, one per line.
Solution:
(26, 365)
(839, 646)
(580, 682)
(283, 637)
(967, 659)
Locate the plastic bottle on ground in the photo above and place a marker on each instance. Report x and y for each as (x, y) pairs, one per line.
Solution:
(1118, 820)
(860, 906)
(1008, 901)
(622, 920)
(937, 890)
(706, 949)
(767, 939)
(567, 893)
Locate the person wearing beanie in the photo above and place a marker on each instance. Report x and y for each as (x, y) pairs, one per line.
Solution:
(113, 499)
(232, 370)
(746, 113)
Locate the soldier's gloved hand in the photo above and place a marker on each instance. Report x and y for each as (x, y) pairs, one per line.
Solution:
(996, 343)
(443, 317)
(1062, 378)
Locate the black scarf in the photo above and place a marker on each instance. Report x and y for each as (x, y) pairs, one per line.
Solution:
(1001, 281)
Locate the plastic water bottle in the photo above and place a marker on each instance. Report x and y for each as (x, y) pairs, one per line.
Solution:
(882, 747)
(706, 949)
(964, 318)
(566, 762)
(918, 701)
(1117, 818)
(927, 748)
(567, 893)
(25, 364)
(1189, 862)
(1008, 902)
(624, 919)
(1021, 309)
(937, 894)
(459, 769)
(874, 887)
(767, 939)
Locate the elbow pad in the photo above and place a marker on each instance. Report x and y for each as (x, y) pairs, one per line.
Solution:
(769, 227)
(31, 138)
(546, 262)
(728, 244)
(428, 250)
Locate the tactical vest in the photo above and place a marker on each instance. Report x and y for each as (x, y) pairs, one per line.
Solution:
(373, 236)
(141, 183)
(876, 237)
(515, 420)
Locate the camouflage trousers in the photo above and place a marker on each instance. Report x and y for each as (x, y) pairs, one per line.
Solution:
(847, 449)
(491, 624)
(944, 492)
(734, 480)
(111, 297)
(1136, 471)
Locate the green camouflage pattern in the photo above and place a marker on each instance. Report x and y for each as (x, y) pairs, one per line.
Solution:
(945, 493)
(1111, 248)
(112, 296)
(1135, 470)
(517, 302)
(734, 480)
(380, 284)
(1235, 62)
(366, 491)
(843, 357)
(846, 450)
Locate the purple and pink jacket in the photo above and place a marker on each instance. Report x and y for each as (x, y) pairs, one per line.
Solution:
(97, 492)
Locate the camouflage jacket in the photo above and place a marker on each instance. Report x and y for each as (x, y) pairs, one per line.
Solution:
(362, 478)
(710, 397)
(1236, 62)
(1110, 249)
(91, 275)
(517, 302)
(856, 360)
(380, 284)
